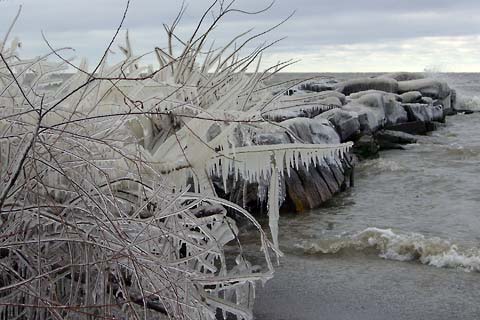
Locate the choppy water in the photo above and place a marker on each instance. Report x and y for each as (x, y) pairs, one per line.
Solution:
(412, 220)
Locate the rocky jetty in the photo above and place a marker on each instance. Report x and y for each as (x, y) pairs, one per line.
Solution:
(376, 114)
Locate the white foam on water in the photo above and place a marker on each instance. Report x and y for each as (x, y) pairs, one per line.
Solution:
(434, 251)
(382, 165)
(468, 103)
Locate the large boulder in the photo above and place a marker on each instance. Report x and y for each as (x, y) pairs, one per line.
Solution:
(213, 131)
(403, 76)
(438, 113)
(414, 127)
(345, 122)
(369, 119)
(394, 137)
(432, 88)
(331, 102)
(309, 110)
(267, 138)
(366, 147)
(321, 96)
(363, 84)
(394, 112)
(316, 189)
(426, 100)
(315, 87)
(376, 103)
(453, 100)
(385, 106)
(418, 112)
(447, 103)
(360, 94)
(312, 130)
(411, 97)
(308, 188)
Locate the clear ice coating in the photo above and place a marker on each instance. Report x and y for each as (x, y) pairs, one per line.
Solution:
(259, 163)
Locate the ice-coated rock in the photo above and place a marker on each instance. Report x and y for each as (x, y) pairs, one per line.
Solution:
(296, 195)
(447, 102)
(309, 110)
(404, 76)
(360, 94)
(394, 112)
(363, 84)
(411, 97)
(366, 146)
(242, 135)
(315, 87)
(395, 137)
(453, 100)
(418, 112)
(414, 127)
(266, 138)
(376, 103)
(345, 122)
(438, 113)
(385, 106)
(312, 130)
(316, 190)
(325, 95)
(331, 102)
(426, 100)
(435, 89)
(368, 119)
(212, 132)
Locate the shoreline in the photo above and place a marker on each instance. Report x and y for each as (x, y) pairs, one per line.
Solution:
(375, 113)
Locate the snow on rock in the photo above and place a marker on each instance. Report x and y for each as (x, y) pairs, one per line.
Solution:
(363, 84)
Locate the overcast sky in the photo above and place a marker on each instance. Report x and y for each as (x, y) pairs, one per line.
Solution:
(333, 35)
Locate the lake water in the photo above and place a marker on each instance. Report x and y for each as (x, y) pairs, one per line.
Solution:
(404, 243)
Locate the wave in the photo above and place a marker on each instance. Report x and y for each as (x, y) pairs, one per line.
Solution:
(382, 165)
(401, 247)
(471, 103)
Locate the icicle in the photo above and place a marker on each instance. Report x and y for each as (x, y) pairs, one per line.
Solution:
(273, 203)
(225, 173)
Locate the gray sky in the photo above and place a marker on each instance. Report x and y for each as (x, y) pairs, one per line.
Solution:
(333, 35)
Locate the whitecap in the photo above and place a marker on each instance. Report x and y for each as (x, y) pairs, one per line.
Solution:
(389, 245)
(471, 103)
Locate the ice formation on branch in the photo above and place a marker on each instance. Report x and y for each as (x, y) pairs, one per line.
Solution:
(95, 210)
